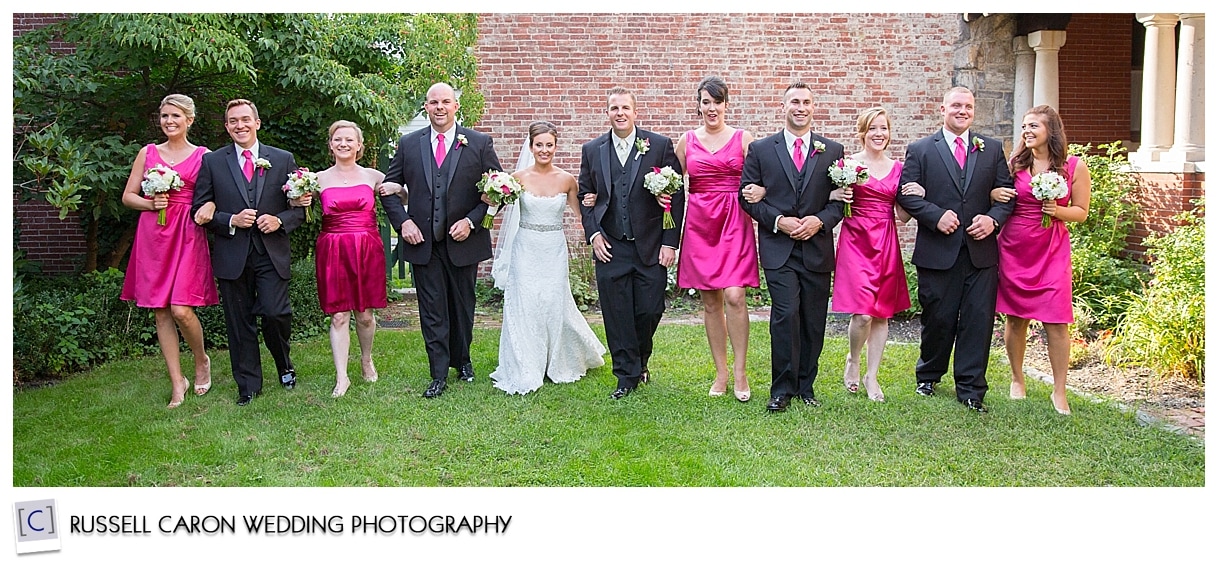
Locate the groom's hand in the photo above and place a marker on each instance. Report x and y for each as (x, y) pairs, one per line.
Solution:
(268, 223)
(981, 227)
(668, 256)
(601, 247)
(949, 222)
(411, 233)
(460, 230)
(244, 219)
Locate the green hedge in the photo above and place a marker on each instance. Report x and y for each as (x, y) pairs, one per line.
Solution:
(68, 324)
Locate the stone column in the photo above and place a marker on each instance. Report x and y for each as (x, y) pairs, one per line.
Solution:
(1046, 43)
(1025, 68)
(1158, 86)
(1189, 145)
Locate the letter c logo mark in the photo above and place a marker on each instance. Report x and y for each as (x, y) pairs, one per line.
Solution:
(29, 520)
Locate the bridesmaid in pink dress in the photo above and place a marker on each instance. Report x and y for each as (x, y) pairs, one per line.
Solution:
(1034, 270)
(170, 269)
(869, 279)
(719, 249)
(350, 256)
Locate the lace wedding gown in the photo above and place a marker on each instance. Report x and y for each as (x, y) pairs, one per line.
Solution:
(544, 334)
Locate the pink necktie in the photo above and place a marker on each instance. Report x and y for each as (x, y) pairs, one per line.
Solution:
(440, 152)
(248, 168)
(960, 152)
(799, 154)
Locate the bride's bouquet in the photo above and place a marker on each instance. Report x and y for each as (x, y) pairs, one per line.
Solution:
(846, 173)
(161, 179)
(300, 183)
(501, 188)
(664, 181)
(1048, 186)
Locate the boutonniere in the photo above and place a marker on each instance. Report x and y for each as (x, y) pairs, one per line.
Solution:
(978, 144)
(817, 146)
(642, 145)
(262, 164)
(461, 140)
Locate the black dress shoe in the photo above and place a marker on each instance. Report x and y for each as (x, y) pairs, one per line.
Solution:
(810, 401)
(246, 399)
(925, 388)
(777, 404)
(621, 392)
(287, 379)
(975, 405)
(466, 372)
(435, 389)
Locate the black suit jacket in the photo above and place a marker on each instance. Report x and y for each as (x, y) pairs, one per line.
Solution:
(931, 163)
(414, 166)
(221, 180)
(646, 216)
(769, 165)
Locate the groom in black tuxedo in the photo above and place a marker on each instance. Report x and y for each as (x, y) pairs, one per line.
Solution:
(625, 228)
(250, 254)
(442, 227)
(795, 222)
(956, 251)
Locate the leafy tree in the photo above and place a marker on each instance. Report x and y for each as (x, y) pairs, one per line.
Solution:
(80, 117)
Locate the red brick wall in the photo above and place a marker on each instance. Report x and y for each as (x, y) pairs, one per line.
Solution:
(59, 245)
(557, 67)
(1161, 197)
(1095, 87)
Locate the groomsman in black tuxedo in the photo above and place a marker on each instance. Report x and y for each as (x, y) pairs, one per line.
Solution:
(250, 254)
(795, 222)
(625, 228)
(442, 226)
(956, 251)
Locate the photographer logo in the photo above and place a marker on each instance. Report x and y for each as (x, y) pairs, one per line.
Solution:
(36, 526)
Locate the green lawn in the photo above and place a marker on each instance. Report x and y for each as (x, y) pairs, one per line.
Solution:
(109, 427)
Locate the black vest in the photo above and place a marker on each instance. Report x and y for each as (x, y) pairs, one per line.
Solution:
(617, 216)
(439, 203)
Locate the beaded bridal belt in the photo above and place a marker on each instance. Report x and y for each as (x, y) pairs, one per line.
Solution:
(540, 227)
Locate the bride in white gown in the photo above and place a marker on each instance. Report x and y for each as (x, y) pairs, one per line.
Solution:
(544, 334)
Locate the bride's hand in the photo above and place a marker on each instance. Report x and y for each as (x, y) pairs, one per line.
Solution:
(589, 200)
(487, 200)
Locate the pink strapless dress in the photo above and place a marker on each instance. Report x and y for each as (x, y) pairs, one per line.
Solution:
(350, 256)
(869, 278)
(1034, 269)
(719, 248)
(170, 264)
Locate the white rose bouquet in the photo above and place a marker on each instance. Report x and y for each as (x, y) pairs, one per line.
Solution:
(302, 182)
(1048, 186)
(501, 188)
(161, 179)
(846, 173)
(664, 181)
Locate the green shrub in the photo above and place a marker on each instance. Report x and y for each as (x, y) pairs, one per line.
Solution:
(1103, 284)
(1104, 277)
(582, 274)
(72, 323)
(1164, 328)
(911, 280)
